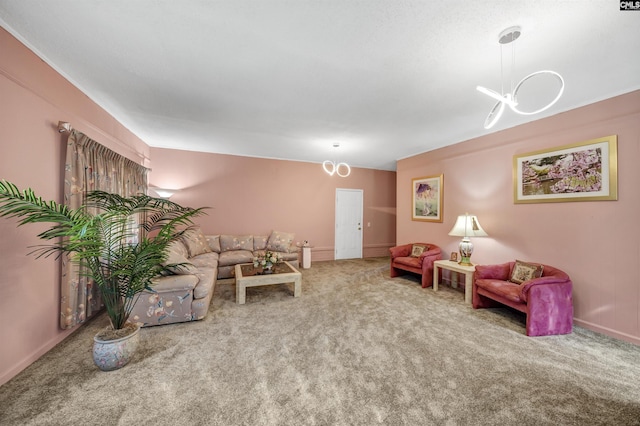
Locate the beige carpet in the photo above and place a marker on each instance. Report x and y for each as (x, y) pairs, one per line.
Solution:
(358, 348)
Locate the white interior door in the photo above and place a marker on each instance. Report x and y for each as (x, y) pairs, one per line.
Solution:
(348, 224)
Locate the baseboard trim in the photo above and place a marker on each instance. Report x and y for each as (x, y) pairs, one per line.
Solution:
(608, 331)
(369, 250)
(35, 355)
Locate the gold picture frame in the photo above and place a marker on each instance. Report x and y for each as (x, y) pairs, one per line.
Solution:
(585, 171)
(426, 199)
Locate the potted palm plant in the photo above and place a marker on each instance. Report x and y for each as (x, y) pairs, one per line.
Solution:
(119, 242)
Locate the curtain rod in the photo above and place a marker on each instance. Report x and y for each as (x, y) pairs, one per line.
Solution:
(65, 127)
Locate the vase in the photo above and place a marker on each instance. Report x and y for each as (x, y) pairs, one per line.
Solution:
(113, 354)
(267, 269)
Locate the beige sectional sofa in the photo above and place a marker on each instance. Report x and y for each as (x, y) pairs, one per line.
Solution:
(198, 261)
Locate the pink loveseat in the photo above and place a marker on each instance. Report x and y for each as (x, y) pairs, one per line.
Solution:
(547, 301)
(402, 261)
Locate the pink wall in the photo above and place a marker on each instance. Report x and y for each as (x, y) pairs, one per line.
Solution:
(33, 98)
(255, 196)
(596, 243)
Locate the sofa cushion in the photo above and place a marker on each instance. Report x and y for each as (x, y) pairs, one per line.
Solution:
(236, 242)
(226, 272)
(280, 241)
(418, 249)
(178, 247)
(281, 255)
(414, 262)
(231, 258)
(205, 260)
(214, 242)
(524, 271)
(260, 242)
(207, 277)
(174, 282)
(195, 241)
(289, 257)
(505, 289)
(175, 256)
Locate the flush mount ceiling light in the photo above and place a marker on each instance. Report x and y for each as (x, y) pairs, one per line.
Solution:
(331, 167)
(511, 99)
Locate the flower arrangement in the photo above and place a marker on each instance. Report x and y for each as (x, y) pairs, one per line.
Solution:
(267, 260)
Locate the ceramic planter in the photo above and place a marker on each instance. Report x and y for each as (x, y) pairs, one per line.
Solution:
(114, 354)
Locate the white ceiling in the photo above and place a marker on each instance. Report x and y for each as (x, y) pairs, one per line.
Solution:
(386, 79)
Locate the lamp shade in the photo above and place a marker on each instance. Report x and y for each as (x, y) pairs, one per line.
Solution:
(467, 225)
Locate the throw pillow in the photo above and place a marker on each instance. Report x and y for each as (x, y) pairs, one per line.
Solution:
(175, 257)
(260, 242)
(196, 242)
(236, 242)
(214, 243)
(280, 241)
(524, 271)
(418, 249)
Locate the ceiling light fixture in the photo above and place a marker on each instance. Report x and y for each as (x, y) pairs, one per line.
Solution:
(511, 99)
(164, 192)
(331, 167)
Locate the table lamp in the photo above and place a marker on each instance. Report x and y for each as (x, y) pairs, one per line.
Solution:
(466, 226)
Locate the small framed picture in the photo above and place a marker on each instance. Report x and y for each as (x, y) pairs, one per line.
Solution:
(454, 256)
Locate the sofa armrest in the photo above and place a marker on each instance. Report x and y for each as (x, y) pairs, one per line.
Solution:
(428, 259)
(174, 283)
(496, 272)
(548, 283)
(401, 251)
(432, 252)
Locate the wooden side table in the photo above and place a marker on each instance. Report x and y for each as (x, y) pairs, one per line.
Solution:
(449, 265)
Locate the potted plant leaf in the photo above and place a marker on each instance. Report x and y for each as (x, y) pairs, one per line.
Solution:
(119, 242)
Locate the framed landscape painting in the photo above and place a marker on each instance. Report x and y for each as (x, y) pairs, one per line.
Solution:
(585, 171)
(426, 200)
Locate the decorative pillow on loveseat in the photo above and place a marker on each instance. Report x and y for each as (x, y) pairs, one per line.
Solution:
(280, 241)
(195, 241)
(418, 249)
(524, 271)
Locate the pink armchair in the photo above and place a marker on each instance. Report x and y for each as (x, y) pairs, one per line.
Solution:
(402, 261)
(547, 301)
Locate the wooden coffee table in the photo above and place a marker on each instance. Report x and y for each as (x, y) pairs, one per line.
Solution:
(248, 276)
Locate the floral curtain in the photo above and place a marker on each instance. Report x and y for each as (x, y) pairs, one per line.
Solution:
(90, 166)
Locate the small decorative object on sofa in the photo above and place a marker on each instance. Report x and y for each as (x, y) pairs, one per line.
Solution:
(542, 292)
(416, 258)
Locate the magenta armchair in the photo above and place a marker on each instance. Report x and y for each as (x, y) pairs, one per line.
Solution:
(402, 262)
(547, 301)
